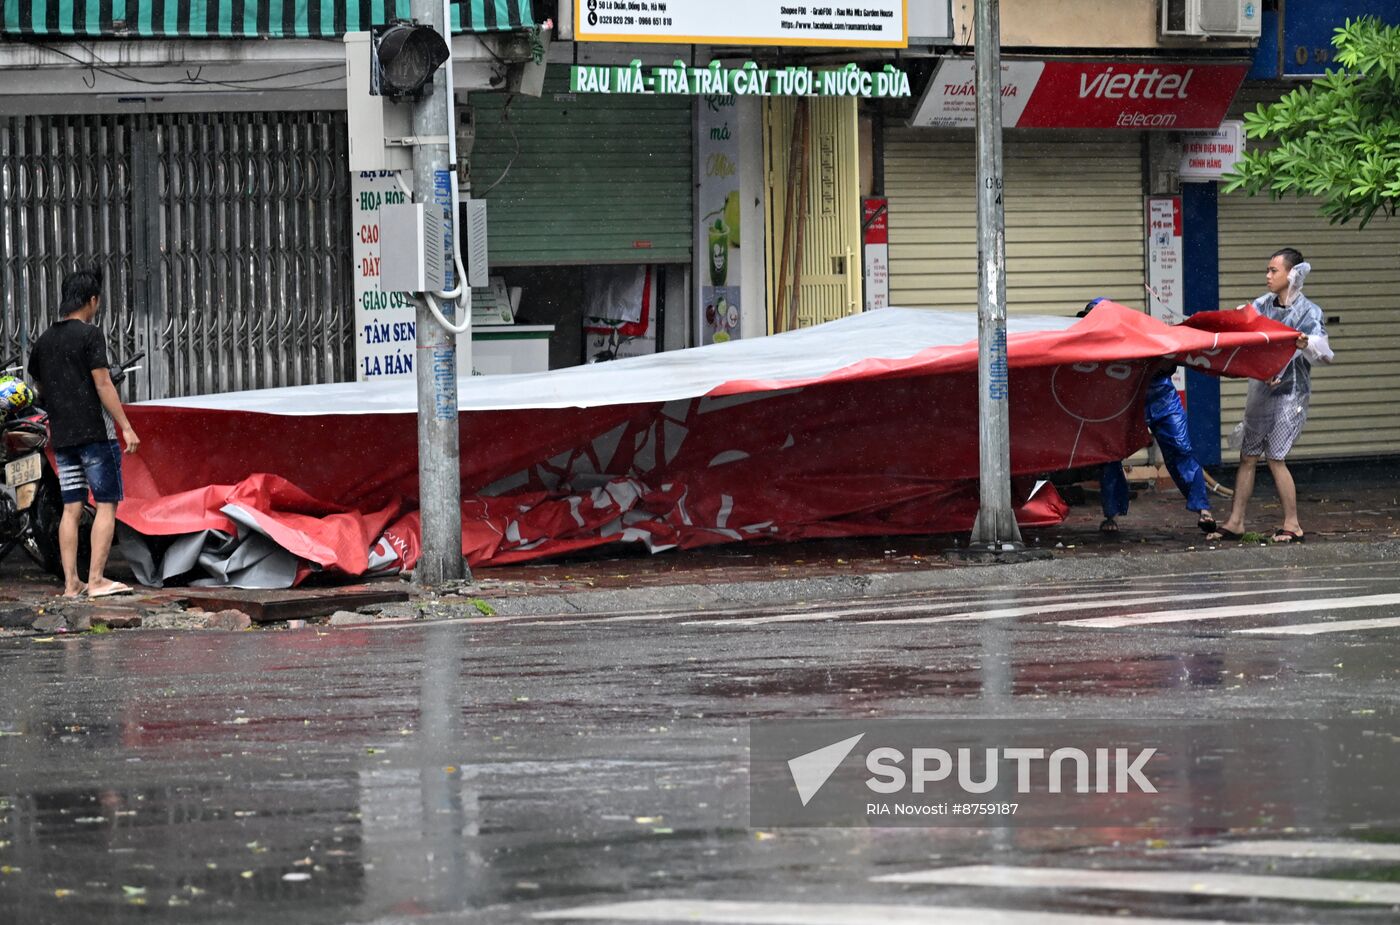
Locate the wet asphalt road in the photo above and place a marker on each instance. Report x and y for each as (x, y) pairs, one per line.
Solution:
(493, 771)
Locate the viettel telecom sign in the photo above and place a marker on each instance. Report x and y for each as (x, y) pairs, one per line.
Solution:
(1078, 94)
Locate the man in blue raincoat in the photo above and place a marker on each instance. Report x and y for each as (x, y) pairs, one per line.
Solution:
(1166, 418)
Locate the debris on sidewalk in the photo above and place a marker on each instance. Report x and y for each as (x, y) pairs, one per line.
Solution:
(1355, 508)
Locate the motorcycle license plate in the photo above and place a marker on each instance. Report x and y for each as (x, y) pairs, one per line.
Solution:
(24, 470)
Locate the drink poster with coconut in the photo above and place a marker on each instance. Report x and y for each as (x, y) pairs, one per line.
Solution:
(718, 206)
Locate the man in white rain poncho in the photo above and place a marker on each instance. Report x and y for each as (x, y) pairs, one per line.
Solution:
(1275, 411)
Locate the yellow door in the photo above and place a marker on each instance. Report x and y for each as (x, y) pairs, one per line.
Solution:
(813, 248)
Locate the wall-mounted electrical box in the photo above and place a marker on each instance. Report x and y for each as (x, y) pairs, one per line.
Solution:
(412, 255)
(474, 253)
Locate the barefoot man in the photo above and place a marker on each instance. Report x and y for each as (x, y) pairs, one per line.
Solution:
(69, 364)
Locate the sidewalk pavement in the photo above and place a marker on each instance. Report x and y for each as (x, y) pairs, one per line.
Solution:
(1349, 513)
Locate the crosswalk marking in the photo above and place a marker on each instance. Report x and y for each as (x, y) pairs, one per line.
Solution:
(1026, 603)
(1299, 889)
(1269, 609)
(1320, 850)
(1079, 604)
(1025, 600)
(729, 912)
(1317, 629)
(993, 603)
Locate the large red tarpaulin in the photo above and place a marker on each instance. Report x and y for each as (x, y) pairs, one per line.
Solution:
(865, 426)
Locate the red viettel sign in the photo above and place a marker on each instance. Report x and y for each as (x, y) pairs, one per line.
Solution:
(1080, 94)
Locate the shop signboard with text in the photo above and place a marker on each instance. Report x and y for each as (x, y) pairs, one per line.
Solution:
(875, 234)
(718, 230)
(747, 79)
(1165, 284)
(385, 335)
(867, 24)
(1084, 94)
(1207, 156)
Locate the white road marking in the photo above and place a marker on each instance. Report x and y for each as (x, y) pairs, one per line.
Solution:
(1324, 850)
(1203, 883)
(885, 608)
(1065, 589)
(1271, 609)
(728, 912)
(1317, 629)
(915, 602)
(1080, 604)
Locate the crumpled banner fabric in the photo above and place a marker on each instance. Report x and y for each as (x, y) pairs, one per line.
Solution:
(878, 445)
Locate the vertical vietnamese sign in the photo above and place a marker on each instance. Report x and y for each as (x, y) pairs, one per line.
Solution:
(385, 335)
(1164, 266)
(875, 229)
(717, 206)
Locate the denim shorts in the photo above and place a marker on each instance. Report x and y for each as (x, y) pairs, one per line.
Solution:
(95, 465)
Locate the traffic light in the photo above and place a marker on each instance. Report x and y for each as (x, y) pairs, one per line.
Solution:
(406, 56)
(386, 71)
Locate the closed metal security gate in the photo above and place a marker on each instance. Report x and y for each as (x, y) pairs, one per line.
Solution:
(251, 285)
(1074, 220)
(584, 178)
(65, 200)
(225, 239)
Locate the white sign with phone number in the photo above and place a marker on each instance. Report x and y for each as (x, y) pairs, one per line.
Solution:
(866, 24)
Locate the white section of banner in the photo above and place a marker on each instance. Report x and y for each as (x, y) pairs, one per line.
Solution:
(808, 353)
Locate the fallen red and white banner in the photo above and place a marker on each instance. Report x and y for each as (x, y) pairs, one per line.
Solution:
(864, 426)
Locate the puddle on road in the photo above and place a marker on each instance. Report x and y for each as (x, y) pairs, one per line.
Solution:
(1100, 676)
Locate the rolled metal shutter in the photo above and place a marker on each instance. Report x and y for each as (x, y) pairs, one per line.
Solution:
(1074, 220)
(225, 239)
(1355, 279)
(585, 178)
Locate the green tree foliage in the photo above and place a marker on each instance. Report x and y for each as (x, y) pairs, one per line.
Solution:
(1337, 138)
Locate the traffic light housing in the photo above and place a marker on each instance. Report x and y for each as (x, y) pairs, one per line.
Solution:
(405, 58)
(386, 70)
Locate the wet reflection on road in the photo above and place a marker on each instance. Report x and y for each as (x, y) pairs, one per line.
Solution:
(317, 776)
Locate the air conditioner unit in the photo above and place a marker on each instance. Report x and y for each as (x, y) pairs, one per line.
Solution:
(1225, 19)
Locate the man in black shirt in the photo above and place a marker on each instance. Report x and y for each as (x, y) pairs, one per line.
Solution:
(69, 364)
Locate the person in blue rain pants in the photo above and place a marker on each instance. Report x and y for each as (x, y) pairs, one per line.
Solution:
(1166, 418)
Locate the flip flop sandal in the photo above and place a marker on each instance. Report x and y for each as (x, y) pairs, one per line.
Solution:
(115, 588)
(1286, 537)
(1222, 534)
(1109, 526)
(1208, 526)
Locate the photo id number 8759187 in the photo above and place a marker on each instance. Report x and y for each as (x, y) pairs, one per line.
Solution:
(985, 809)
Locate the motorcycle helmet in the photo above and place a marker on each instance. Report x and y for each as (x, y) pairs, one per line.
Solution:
(15, 395)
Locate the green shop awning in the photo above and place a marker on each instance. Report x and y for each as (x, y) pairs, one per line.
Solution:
(239, 18)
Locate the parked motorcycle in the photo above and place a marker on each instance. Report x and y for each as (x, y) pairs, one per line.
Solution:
(31, 503)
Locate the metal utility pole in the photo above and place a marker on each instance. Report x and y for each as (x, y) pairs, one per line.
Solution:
(996, 521)
(439, 457)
